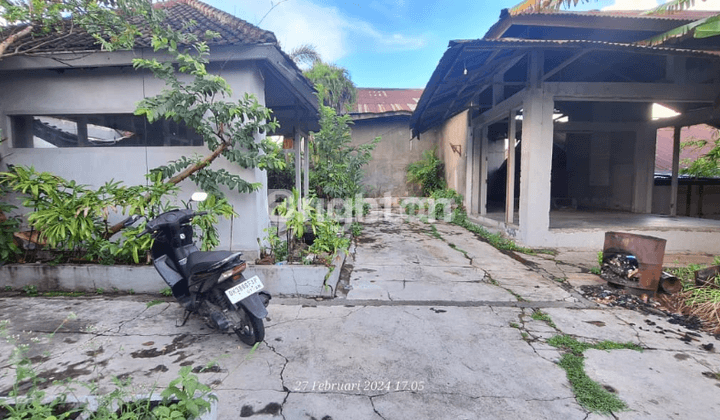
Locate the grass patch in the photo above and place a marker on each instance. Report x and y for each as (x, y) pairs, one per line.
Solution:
(459, 218)
(517, 296)
(595, 270)
(65, 294)
(590, 394)
(515, 325)
(434, 232)
(154, 302)
(542, 316)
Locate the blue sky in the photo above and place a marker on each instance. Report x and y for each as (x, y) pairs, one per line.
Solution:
(387, 43)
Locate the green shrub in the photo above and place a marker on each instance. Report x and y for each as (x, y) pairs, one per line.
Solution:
(428, 173)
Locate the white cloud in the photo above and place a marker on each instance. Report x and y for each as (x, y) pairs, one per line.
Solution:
(298, 22)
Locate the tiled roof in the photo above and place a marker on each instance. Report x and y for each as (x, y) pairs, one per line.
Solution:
(232, 30)
(664, 151)
(379, 101)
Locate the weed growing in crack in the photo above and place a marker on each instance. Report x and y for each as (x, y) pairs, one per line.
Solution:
(434, 232)
(517, 296)
(539, 315)
(154, 302)
(515, 325)
(525, 336)
(590, 394)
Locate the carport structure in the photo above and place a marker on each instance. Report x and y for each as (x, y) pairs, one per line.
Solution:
(574, 91)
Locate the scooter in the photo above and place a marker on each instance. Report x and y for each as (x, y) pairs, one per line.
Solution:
(210, 284)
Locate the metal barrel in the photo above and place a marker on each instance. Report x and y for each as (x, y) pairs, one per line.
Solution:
(649, 252)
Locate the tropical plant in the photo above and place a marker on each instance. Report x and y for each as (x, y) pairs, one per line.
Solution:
(337, 165)
(701, 28)
(708, 165)
(334, 86)
(428, 173)
(74, 219)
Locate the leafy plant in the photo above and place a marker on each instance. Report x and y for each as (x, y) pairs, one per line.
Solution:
(336, 170)
(428, 173)
(356, 229)
(166, 292)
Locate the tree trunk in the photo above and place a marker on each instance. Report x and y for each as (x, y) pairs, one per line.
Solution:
(177, 179)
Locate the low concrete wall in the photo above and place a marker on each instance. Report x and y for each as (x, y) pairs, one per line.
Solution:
(286, 280)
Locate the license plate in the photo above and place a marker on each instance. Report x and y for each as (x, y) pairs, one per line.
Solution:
(244, 289)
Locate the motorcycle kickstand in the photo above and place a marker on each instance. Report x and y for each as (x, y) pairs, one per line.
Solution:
(185, 319)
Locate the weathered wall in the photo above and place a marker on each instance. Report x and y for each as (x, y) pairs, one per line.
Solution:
(452, 149)
(113, 90)
(386, 173)
(710, 200)
(600, 169)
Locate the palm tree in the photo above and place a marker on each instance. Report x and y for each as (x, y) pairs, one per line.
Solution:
(702, 28)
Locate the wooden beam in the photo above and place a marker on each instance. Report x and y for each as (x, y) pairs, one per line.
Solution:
(501, 110)
(632, 92)
(564, 64)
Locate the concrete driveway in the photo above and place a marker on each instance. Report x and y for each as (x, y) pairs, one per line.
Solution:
(431, 324)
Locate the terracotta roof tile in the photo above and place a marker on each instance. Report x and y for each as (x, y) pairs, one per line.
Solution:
(232, 30)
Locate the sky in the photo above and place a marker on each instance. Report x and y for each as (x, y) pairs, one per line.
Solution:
(388, 43)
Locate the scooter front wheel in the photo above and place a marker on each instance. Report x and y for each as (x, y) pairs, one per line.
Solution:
(251, 329)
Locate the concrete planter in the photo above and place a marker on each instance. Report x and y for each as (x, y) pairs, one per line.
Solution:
(287, 280)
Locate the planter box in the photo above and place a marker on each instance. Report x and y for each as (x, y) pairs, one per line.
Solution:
(299, 280)
(287, 280)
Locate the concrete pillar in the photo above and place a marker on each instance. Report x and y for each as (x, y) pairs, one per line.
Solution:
(675, 172)
(644, 164)
(483, 167)
(82, 131)
(469, 159)
(475, 170)
(536, 166)
(306, 167)
(298, 162)
(510, 185)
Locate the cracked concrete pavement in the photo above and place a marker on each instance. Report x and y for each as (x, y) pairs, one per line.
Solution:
(435, 325)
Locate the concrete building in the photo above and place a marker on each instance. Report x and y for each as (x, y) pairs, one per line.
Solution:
(386, 113)
(68, 109)
(573, 92)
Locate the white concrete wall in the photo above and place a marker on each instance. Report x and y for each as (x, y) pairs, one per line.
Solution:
(113, 90)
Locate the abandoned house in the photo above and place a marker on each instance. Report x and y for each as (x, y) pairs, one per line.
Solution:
(573, 93)
(386, 113)
(68, 109)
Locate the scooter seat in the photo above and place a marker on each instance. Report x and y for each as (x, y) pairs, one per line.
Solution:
(200, 261)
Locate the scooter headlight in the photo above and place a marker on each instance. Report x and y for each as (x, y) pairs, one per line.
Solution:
(233, 273)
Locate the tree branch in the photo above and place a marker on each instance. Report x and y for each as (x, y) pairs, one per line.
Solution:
(14, 37)
(177, 179)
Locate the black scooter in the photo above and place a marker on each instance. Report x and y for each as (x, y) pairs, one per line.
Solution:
(211, 283)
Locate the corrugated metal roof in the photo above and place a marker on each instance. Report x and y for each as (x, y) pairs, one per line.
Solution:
(379, 100)
(469, 64)
(633, 14)
(529, 43)
(232, 30)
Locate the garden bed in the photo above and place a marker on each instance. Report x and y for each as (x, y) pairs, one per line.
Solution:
(288, 280)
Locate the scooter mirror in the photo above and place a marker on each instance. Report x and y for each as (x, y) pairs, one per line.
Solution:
(198, 196)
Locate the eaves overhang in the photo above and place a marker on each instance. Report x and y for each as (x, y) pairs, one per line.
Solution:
(469, 67)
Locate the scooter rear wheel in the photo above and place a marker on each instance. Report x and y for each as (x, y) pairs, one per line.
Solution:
(251, 330)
